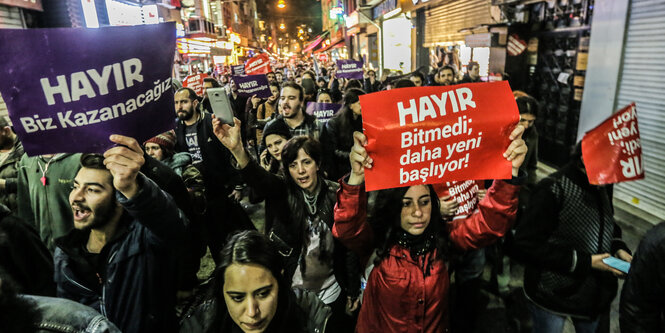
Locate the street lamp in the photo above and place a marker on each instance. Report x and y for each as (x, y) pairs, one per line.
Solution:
(282, 26)
(281, 4)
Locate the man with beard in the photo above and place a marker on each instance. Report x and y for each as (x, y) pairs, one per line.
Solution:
(119, 258)
(292, 112)
(444, 76)
(194, 135)
(222, 181)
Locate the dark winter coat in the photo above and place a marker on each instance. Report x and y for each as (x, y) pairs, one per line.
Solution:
(287, 232)
(337, 137)
(24, 257)
(219, 176)
(642, 307)
(566, 222)
(8, 172)
(205, 317)
(136, 289)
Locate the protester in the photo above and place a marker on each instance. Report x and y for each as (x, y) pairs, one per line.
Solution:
(409, 283)
(44, 182)
(207, 84)
(566, 232)
(250, 293)
(241, 105)
(292, 112)
(472, 73)
(371, 84)
(323, 96)
(275, 137)
(23, 256)
(301, 222)
(418, 79)
(11, 151)
(265, 112)
(338, 135)
(118, 259)
(161, 148)
(642, 308)
(529, 108)
(223, 184)
(444, 76)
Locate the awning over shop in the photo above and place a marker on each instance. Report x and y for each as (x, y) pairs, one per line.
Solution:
(339, 43)
(309, 47)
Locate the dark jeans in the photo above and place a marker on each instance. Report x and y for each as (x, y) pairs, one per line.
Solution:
(548, 322)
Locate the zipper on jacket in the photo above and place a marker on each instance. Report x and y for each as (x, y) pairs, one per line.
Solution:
(76, 283)
(102, 303)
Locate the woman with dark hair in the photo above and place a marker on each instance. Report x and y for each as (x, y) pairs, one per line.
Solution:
(300, 219)
(249, 293)
(337, 134)
(409, 246)
(275, 136)
(324, 96)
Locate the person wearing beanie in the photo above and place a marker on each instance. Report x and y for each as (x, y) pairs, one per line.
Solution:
(275, 136)
(338, 134)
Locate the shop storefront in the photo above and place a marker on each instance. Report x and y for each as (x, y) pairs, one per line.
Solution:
(458, 32)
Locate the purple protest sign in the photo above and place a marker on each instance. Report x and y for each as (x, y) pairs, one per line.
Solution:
(238, 70)
(322, 111)
(250, 85)
(350, 69)
(83, 85)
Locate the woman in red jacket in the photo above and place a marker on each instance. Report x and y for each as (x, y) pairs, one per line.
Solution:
(407, 290)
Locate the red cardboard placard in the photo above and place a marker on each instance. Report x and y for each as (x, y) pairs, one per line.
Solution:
(259, 64)
(612, 151)
(465, 193)
(427, 135)
(195, 82)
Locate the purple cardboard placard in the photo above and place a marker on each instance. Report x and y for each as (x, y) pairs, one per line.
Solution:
(350, 69)
(69, 89)
(238, 70)
(322, 111)
(250, 85)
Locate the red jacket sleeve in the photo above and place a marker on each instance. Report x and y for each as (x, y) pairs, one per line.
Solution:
(495, 215)
(351, 227)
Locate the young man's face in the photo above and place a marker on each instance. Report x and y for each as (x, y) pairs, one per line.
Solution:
(92, 199)
(445, 77)
(271, 77)
(290, 102)
(417, 81)
(474, 72)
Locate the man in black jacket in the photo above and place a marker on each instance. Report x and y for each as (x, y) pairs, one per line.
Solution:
(566, 232)
(222, 182)
(119, 258)
(642, 307)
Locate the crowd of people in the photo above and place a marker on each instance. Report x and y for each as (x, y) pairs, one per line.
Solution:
(112, 242)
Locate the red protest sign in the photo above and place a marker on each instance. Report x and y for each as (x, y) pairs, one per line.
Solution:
(465, 193)
(427, 135)
(612, 151)
(259, 64)
(195, 82)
